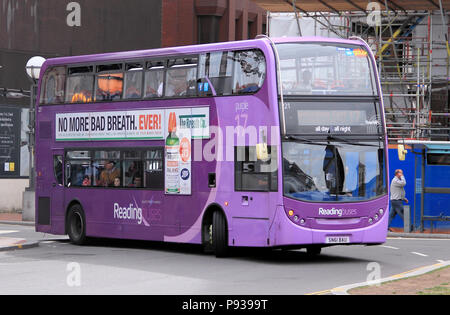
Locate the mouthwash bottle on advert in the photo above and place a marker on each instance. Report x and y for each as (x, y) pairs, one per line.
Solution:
(172, 157)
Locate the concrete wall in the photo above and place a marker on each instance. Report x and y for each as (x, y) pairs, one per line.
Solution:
(11, 191)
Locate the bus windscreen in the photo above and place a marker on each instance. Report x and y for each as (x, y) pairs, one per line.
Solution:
(325, 69)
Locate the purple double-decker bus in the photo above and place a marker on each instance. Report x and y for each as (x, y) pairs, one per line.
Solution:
(261, 143)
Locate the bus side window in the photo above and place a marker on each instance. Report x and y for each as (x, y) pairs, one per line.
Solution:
(249, 72)
(154, 79)
(216, 74)
(252, 174)
(80, 85)
(109, 83)
(181, 79)
(58, 169)
(154, 174)
(133, 81)
(78, 169)
(53, 86)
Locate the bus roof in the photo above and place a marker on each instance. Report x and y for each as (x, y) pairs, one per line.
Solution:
(192, 49)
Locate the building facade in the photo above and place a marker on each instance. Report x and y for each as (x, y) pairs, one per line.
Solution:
(55, 28)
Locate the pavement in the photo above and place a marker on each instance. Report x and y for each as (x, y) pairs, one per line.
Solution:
(18, 235)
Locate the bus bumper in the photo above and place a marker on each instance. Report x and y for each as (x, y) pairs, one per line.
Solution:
(284, 232)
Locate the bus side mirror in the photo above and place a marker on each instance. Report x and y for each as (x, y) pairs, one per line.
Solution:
(401, 152)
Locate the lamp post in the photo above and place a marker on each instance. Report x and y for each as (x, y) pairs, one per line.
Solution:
(33, 69)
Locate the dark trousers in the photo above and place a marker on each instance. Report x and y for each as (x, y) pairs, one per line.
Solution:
(396, 208)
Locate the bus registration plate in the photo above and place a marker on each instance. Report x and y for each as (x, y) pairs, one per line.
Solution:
(337, 239)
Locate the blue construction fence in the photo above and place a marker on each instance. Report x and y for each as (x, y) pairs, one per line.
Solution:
(435, 176)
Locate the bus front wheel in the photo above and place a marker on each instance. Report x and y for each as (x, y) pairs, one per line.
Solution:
(219, 234)
(76, 225)
(313, 250)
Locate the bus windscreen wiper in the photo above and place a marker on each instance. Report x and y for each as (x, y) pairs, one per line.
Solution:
(309, 141)
(346, 141)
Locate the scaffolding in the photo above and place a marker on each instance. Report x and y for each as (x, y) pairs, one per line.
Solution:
(412, 54)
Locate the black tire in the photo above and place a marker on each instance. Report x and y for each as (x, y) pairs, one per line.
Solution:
(76, 225)
(313, 250)
(220, 234)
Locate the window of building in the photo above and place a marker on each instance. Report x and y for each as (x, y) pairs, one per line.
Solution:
(80, 85)
(438, 159)
(133, 81)
(53, 86)
(253, 174)
(208, 29)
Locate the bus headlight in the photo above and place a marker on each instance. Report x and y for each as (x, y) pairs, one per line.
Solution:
(370, 220)
(376, 217)
(381, 211)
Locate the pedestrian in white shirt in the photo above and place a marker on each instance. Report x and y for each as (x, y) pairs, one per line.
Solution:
(397, 195)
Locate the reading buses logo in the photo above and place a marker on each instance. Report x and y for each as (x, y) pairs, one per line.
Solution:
(337, 212)
(128, 213)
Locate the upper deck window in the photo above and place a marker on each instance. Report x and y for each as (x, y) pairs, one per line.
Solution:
(181, 77)
(231, 73)
(80, 85)
(109, 82)
(249, 71)
(133, 81)
(154, 79)
(53, 86)
(326, 69)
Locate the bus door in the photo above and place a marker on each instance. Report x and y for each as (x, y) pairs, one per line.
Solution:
(57, 183)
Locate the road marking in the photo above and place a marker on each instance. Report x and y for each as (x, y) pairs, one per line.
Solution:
(8, 231)
(420, 254)
(391, 247)
(441, 261)
(320, 292)
(418, 239)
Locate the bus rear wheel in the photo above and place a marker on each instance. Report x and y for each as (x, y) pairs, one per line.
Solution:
(76, 225)
(219, 234)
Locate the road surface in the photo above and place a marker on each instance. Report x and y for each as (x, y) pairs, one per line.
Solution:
(135, 267)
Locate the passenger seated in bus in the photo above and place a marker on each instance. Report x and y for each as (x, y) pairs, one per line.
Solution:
(136, 183)
(81, 96)
(305, 85)
(132, 92)
(134, 170)
(110, 87)
(177, 84)
(117, 182)
(108, 174)
(86, 181)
